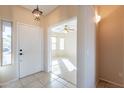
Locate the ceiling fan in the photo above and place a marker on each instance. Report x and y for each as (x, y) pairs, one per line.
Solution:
(68, 29)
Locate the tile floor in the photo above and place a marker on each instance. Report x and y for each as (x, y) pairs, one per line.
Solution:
(49, 80)
(40, 80)
(64, 68)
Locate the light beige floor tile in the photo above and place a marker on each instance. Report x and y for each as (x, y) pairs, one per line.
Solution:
(27, 80)
(54, 76)
(69, 85)
(69, 76)
(46, 80)
(40, 80)
(41, 74)
(62, 81)
(59, 69)
(46, 75)
(15, 84)
(55, 84)
(34, 84)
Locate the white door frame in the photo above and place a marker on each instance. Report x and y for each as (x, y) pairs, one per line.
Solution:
(17, 47)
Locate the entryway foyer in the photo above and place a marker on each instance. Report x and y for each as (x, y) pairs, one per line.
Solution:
(33, 37)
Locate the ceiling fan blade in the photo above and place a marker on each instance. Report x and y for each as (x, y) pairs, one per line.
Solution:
(71, 30)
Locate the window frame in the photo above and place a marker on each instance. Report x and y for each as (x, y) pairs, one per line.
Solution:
(1, 40)
(61, 48)
(54, 43)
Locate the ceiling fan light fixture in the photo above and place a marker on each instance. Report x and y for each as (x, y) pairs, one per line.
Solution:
(37, 13)
(66, 29)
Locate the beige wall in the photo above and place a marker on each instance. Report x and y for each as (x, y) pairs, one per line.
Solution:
(60, 14)
(111, 43)
(5, 12)
(15, 14)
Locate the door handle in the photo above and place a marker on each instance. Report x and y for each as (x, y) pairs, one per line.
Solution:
(20, 53)
(20, 50)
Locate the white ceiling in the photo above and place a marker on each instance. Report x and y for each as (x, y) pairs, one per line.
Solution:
(72, 24)
(45, 8)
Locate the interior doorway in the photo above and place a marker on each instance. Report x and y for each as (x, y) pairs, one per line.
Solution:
(62, 51)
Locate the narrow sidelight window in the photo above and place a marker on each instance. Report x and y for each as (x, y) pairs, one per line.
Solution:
(6, 42)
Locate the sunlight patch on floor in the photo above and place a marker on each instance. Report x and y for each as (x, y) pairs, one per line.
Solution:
(68, 64)
(56, 69)
(54, 62)
(65, 69)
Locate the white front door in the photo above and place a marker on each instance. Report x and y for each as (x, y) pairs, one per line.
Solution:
(30, 50)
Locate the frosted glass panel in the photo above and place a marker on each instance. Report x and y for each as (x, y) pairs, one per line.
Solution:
(6, 42)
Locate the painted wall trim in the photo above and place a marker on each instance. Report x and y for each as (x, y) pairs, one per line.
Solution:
(111, 82)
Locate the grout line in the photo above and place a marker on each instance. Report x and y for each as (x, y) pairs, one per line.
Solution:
(44, 85)
(53, 81)
(64, 80)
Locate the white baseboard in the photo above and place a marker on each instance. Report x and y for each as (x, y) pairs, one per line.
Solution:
(2, 84)
(111, 82)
